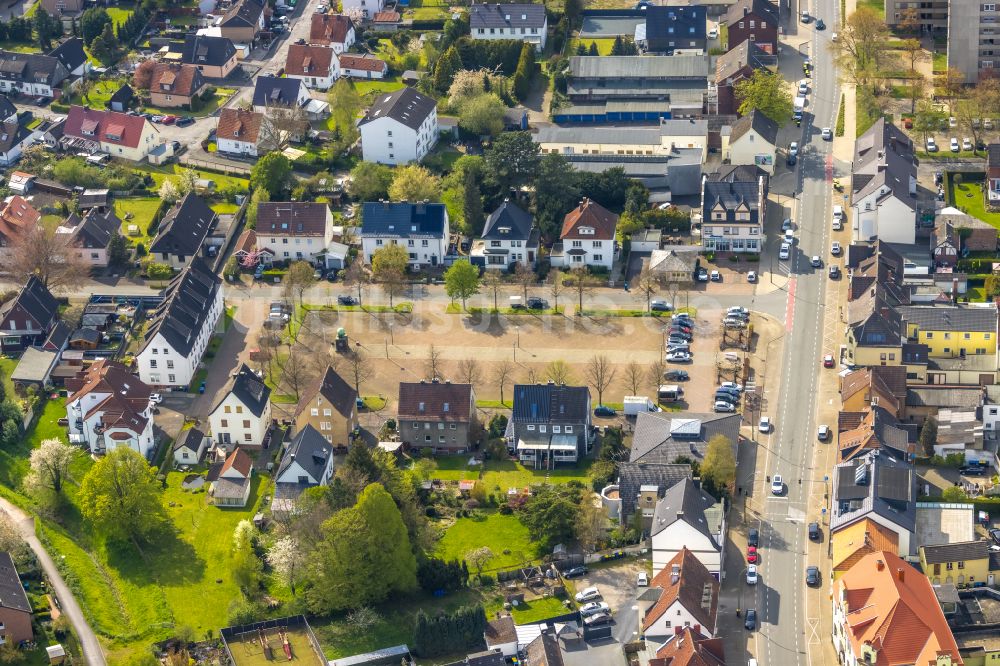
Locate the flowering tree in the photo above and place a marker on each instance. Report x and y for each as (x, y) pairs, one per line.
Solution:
(50, 464)
(286, 558)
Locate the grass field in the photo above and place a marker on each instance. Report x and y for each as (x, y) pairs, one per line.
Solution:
(225, 208)
(422, 10)
(875, 5)
(537, 610)
(604, 45)
(940, 62)
(499, 475)
(98, 95)
(7, 366)
(142, 211)
(389, 84)
(968, 197)
(162, 173)
(119, 15)
(250, 653)
(498, 532)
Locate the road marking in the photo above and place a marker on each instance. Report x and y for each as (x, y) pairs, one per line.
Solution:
(790, 307)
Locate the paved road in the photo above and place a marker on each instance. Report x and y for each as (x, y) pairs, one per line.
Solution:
(92, 652)
(781, 599)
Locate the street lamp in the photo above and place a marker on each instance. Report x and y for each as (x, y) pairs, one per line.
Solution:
(517, 332)
(515, 352)
(391, 337)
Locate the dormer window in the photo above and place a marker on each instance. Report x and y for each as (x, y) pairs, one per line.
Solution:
(586, 231)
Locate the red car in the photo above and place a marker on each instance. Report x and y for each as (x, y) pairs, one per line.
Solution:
(752, 556)
(828, 361)
(169, 120)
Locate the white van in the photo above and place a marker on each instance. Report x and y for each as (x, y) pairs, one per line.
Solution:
(838, 218)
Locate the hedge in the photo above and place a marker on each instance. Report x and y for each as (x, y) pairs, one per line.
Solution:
(427, 24)
(979, 266)
(59, 108)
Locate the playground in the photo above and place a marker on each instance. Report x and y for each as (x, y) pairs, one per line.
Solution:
(273, 642)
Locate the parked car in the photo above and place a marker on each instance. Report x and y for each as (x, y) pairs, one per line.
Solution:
(752, 276)
(597, 619)
(828, 361)
(793, 148)
(835, 248)
(702, 275)
(834, 272)
(954, 145)
(678, 346)
(753, 537)
(681, 317)
(575, 572)
(184, 121)
(642, 580)
(536, 303)
(812, 576)
(660, 306)
(676, 375)
(679, 357)
(814, 532)
(823, 433)
(155, 398)
(713, 33)
(966, 144)
(721, 406)
(805, 18)
(786, 224)
(587, 594)
(931, 145)
(345, 299)
(777, 485)
(995, 535)
(968, 470)
(594, 607)
(785, 251)
(752, 556)
(765, 424)
(725, 390)
(803, 87)
(750, 620)
(604, 411)
(169, 120)
(156, 119)
(716, 276)
(732, 386)
(752, 574)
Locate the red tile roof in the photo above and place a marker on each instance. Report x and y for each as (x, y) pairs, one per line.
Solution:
(362, 63)
(239, 461)
(183, 80)
(329, 28)
(306, 60)
(239, 125)
(97, 123)
(438, 401)
(690, 648)
(387, 17)
(890, 607)
(589, 214)
(688, 588)
(16, 217)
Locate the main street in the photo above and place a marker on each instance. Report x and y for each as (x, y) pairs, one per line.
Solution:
(785, 606)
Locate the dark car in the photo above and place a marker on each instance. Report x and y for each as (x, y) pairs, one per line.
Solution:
(604, 410)
(184, 121)
(820, 25)
(344, 299)
(814, 533)
(753, 537)
(597, 619)
(676, 375)
(791, 160)
(300, 41)
(995, 535)
(834, 272)
(750, 621)
(812, 576)
(974, 470)
(536, 303)
(575, 572)
(331, 276)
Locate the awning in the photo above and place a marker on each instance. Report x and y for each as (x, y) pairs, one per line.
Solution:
(563, 443)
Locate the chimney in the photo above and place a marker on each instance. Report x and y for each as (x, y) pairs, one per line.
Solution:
(680, 515)
(901, 575)
(678, 631)
(746, 10)
(385, 204)
(880, 565)
(420, 207)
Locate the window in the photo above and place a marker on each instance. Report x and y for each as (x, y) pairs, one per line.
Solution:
(423, 243)
(968, 336)
(595, 243)
(556, 429)
(246, 423)
(225, 423)
(171, 379)
(389, 133)
(314, 412)
(247, 437)
(452, 426)
(154, 350)
(531, 428)
(568, 429)
(152, 363)
(442, 439)
(327, 412)
(154, 378)
(930, 336)
(227, 409)
(947, 336)
(961, 565)
(752, 24)
(949, 566)
(542, 428)
(598, 257)
(741, 24)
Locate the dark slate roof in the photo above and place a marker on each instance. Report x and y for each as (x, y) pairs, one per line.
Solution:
(757, 121)
(506, 16)
(35, 299)
(887, 487)
(245, 13)
(204, 50)
(738, 57)
(32, 68)
(70, 53)
(248, 389)
(401, 219)
(507, 222)
(184, 227)
(544, 651)
(190, 438)
(633, 475)
(123, 95)
(292, 218)
(187, 301)
(951, 318)
(550, 403)
(662, 437)
(270, 90)
(11, 590)
(673, 22)
(7, 108)
(883, 156)
(731, 194)
(436, 401)
(762, 8)
(993, 155)
(310, 449)
(962, 551)
(405, 106)
(13, 134)
(90, 335)
(685, 501)
(485, 658)
(58, 337)
(332, 386)
(97, 229)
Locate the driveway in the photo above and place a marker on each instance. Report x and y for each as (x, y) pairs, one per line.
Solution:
(617, 584)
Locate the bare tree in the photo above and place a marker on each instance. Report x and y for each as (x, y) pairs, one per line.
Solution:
(493, 282)
(558, 372)
(469, 371)
(282, 124)
(297, 371)
(582, 283)
(524, 277)
(359, 368)
(531, 375)
(357, 276)
(634, 377)
(433, 363)
(648, 284)
(600, 373)
(300, 278)
(557, 286)
(264, 354)
(502, 374)
(656, 371)
(49, 256)
(393, 283)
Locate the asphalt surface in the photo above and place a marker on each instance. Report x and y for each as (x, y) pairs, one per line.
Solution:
(780, 599)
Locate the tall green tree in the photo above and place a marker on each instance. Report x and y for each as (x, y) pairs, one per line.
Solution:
(592, 49)
(46, 28)
(461, 280)
(414, 182)
(482, 115)
(718, 469)
(556, 193)
(512, 161)
(525, 72)
(767, 92)
(120, 497)
(447, 66)
(472, 202)
(273, 172)
(370, 181)
(92, 23)
(364, 557)
(247, 568)
(928, 436)
(551, 513)
(616, 47)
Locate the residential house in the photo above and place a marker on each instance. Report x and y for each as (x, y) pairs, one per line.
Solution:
(231, 487)
(885, 612)
(953, 331)
(21, 182)
(549, 424)
(123, 99)
(17, 218)
(242, 22)
(117, 134)
(753, 141)
(881, 385)
(642, 485)
(362, 67)
(386, 21)
(963, 563)
(509, 238)
(526, 22)
(91, 235)
(98, 198)
(31, 74)
(249, 253)
(306, 463)
(175, 86)
(180, 327)
(688, 517)
(884, 185)
(300, 230)
(437, 415)
(399, 127)
(755, 21)
(215, 57)
(662, 437)
(108, 407)
(738, 64)
(675, 28)
(365, 8)
(73, 57)
(689, 647)
(316, 66)
(329, 406)
(616, 89)
(874, 429)
(684, 595)
(242, 415)
(421, 228)
(668, 137)
(239, 132)
(271, 91)
(587, 237)
(333, 30)
(15, 609)
(15, 137)
(957, 234)
(501, 635)
(875, 332)
(26, 319)
(190, 446)
(60, 8)
(544, 650)
(733, 202)
(876, 487)
(852, 543)
(675, 264)
(182, 231)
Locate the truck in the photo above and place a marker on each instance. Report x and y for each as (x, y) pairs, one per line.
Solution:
(669, 393)
(800, 105)
(634, 404)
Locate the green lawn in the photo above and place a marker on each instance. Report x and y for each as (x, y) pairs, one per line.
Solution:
(119, 15)
(604, 45)
(499, 475)
(388, 84)
(426, 9)
(940, 62)
(7, 366)
(142, 211)
(99, 94)
(530, 612)
(225, 208)
(499, 532)
(968, 197)
(161, 173)
(876, 5)
(20, 47)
